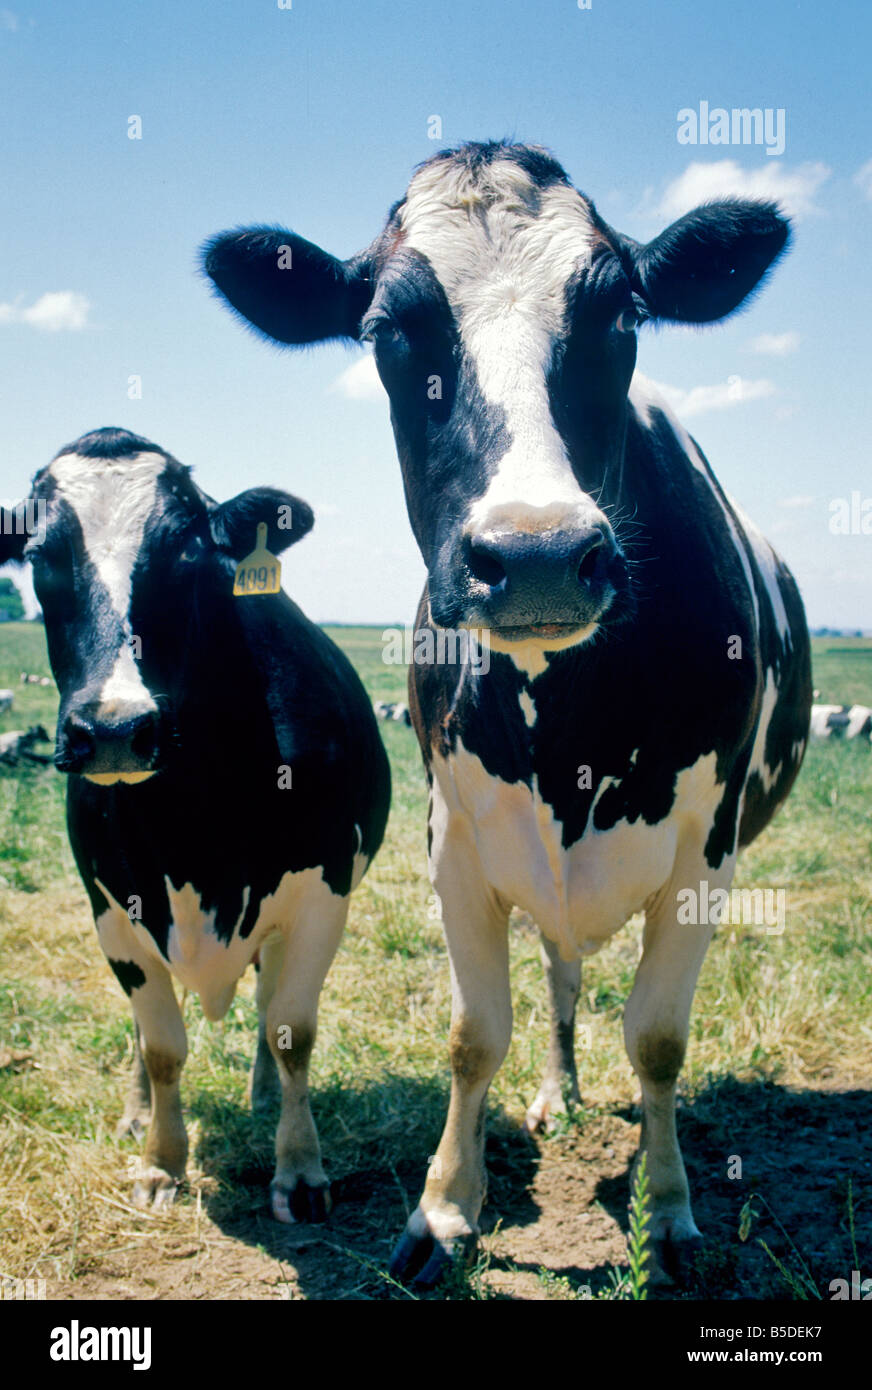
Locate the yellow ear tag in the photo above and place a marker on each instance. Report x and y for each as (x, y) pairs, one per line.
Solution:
(260, 572)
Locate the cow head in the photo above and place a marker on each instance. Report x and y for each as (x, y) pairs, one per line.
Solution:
(504, 313)
(133, 566)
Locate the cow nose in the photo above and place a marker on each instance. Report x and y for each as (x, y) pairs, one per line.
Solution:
(512, 558)
(90, 745)
(544, 577)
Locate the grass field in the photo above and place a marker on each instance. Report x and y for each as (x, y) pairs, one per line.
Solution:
(778, 1072)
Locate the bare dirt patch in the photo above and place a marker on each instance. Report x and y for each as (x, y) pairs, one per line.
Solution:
(556, 1216)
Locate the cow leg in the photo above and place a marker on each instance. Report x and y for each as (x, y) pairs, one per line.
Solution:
(656, 1022)
(165, 1048)
(137, 1107)
(162, 1047)
(476, 933)
(299, 1189)
(265, 1084)
(560, 1082)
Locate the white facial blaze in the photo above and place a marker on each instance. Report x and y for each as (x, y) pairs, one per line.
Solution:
(124, 686)
(504, 250)
(113, 499)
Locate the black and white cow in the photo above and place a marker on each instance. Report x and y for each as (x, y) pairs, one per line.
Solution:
(227, 788)
(841, 722)
(645, 707)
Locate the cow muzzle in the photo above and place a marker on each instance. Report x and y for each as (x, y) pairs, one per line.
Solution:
(126, 748)
(551, 587)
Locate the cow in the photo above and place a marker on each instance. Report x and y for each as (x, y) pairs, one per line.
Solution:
(398, 712)
(18, 743)
(645, 707)
(226, 782)
(841, 721)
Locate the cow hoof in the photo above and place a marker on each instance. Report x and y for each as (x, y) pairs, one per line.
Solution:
(309, 1202)
(423, 1261)
(550, 1109)
(155, 1188)
(544, 1116)
(537, 1118)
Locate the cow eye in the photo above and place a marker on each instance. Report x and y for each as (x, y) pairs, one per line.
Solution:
(384, 333)
(627, 321)
(40, 557)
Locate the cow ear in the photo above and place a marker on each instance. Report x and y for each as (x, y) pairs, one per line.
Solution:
(288, 289)
(13, 534)
(234, 524)
(708, 262)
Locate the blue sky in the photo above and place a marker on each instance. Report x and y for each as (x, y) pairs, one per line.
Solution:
(314, 117)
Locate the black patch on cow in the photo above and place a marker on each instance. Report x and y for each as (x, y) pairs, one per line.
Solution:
(128, 974)
(110, 443)
(710, 262)
(790, 663)
(314, 297)
(234, 523)
(540, 166)
(84, 632)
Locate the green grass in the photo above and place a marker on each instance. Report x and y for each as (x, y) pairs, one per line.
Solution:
(843, 670)
(794, 1009)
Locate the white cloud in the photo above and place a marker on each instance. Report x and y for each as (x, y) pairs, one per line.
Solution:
(799, 499)
(722, 395)
(360, 381)
(776, 344)
(863, 180)
(794, 189)
(52, 312)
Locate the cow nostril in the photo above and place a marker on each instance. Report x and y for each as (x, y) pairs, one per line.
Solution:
(588, 566)
(485, 566)
(81, 743)
(144, 740)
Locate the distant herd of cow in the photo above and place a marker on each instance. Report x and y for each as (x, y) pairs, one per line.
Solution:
(611, 753)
